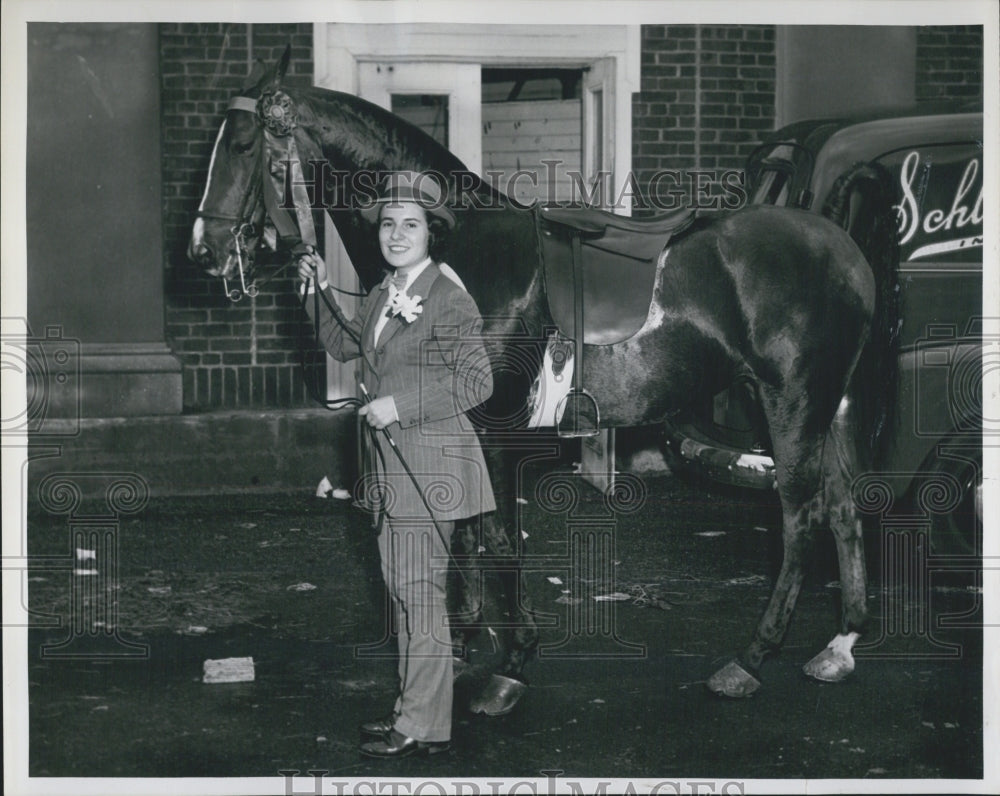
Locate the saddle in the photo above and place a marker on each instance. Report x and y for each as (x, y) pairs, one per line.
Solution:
(604, 266)
(599, 271)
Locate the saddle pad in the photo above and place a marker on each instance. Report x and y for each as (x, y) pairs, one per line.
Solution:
(618, 271)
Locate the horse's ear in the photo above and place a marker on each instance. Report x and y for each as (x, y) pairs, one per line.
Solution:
(282, 65)
(253, 79)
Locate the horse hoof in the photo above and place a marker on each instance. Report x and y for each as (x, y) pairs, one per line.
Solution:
(732, 680)
(498, 696)
(830, 666)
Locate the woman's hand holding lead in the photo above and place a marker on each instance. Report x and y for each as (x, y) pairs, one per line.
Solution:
(380, 412)
(312, 269)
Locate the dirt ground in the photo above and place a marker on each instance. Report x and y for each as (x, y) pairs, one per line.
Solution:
(617, 690)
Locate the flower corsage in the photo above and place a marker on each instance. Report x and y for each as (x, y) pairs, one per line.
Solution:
(409, 307)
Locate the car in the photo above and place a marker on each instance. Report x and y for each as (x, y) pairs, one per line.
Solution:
(933, 462)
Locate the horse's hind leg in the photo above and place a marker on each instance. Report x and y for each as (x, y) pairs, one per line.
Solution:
(837, 661)
(797, 464)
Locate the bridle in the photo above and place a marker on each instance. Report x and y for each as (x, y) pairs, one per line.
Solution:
(243, 229)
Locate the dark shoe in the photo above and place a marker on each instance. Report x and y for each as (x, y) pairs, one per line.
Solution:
(395, 744)
(379, 727)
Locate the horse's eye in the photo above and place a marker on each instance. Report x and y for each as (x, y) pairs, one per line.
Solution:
(242, 147)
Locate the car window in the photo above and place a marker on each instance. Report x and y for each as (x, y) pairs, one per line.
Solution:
(772, 169)
(940, 210)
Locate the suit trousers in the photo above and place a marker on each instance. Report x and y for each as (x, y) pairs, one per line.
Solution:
(415, 568)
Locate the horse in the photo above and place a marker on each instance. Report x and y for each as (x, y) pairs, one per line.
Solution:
(781, 297)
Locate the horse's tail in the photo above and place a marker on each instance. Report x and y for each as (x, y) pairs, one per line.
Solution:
(867, 191)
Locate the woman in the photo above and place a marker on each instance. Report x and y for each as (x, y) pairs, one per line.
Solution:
(424, 366)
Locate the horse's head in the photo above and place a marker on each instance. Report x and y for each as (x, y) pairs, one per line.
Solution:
(229, 223)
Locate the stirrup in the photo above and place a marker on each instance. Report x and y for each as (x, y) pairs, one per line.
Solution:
(578, 415)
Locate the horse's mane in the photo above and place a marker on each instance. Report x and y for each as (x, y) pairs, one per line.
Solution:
(371, 137)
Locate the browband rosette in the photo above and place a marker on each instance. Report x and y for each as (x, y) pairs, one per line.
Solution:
(277, 113)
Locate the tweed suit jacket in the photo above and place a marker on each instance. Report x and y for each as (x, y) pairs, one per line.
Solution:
(435, 368)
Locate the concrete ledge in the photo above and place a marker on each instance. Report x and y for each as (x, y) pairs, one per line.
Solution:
(211, 453)
(71, 380)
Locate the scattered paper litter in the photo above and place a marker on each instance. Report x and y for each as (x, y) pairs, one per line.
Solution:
(228, 670)
(301, 587)
(196, 630)
(566, 600)
(711, 533)
(616, 596)
(747, 580)
(480, 549)
(84, 571)
(555, 580)
(597, 701)
(522, 501)
(341, 494)
(325, 488)
(524, 534)
(84, 555)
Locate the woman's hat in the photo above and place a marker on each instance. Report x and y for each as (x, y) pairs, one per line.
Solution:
(410, 186)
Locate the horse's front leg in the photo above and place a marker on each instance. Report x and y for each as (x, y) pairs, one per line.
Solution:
(502, 557)
(465, 593)
(519, 632)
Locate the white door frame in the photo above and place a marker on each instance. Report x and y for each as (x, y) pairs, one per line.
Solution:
(599, 133)
(379, 81)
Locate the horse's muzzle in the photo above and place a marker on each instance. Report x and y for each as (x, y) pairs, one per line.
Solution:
(201, 253)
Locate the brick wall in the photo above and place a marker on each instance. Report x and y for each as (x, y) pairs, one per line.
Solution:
(706, 98)
(950, 63)
(235, 355)
(721, 81)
